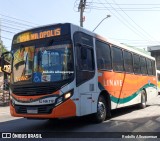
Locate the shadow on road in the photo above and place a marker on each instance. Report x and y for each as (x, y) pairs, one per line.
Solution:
(84, 125)
(125, 110)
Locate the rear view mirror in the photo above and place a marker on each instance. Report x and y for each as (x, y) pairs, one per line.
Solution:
(6, 62)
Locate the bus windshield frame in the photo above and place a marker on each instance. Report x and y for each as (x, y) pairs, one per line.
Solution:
(35, 74)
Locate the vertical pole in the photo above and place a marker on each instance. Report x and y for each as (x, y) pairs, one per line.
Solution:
(81, 14)
(81, 8)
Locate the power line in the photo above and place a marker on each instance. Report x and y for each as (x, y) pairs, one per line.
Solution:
(13, 24)
(128, 39)
(6, 38)
(8, 31)
(93, 5)
(130, 25)
(11, 21)
(10, 27)
(18, 19)
(144, 4)
(125, 9)
(135, 22)
(127, 25)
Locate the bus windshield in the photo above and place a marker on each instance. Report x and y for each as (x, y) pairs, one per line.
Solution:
(43, 64)
(22, 64)
(53, 63)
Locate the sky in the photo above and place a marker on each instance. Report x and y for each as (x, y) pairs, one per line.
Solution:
(135, 23)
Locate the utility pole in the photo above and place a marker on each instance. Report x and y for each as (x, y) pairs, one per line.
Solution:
(81, 8)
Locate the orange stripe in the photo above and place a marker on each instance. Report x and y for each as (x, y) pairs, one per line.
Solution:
(130, 83)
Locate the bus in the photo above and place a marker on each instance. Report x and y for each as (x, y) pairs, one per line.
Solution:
(158, 81)
(63, 70)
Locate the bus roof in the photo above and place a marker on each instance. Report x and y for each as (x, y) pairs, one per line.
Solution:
(91, 34)
(123, 46)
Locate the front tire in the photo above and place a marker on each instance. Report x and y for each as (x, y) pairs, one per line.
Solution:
(100, 115)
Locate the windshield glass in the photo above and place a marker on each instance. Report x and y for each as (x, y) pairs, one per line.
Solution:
(22, 64)
(53, 63)
(43, 64)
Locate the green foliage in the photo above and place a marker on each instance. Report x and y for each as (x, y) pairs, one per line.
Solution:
(4, 49)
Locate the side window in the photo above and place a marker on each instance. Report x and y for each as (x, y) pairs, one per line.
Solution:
(128, 61)
(103, 56)
(143, 65)
(136, 64)
(117, 59)
(149, 67)
(153, 67)
(85, 62)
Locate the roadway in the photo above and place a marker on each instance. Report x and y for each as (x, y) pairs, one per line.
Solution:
(130, 119)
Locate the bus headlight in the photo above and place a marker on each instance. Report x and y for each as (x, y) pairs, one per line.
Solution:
(64, 97)
(67, 95)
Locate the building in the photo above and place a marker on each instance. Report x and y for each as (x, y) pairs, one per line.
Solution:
(155, 52)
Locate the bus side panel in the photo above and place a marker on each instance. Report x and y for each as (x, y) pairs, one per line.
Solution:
(125, 89)
(130, 90)
(149, 84)
(112, 82)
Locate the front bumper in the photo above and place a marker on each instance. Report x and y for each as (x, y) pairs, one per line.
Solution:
(64, 110)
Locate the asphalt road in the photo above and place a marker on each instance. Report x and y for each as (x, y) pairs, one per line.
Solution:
(130, 119)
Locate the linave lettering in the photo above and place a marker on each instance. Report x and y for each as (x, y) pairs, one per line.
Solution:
(112, 82)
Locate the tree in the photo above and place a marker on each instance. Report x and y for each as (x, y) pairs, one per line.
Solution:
(2, 47)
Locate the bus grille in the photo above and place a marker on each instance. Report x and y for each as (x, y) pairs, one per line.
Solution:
(43, 109)
(39, 90)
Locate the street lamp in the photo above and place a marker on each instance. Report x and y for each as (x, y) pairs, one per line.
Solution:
(102, 21)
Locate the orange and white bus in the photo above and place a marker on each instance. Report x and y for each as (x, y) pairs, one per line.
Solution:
(63, 70)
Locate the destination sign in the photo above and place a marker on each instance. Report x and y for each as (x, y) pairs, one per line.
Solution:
(28, 36)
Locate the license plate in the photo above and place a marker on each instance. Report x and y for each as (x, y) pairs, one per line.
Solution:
(32, 110)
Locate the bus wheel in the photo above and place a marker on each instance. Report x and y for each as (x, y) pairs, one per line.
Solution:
(100, 116)
(143, 99)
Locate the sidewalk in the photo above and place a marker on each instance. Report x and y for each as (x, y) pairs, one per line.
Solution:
(4, 110)
(5, 114)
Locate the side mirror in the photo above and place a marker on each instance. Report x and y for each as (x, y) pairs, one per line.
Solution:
(6, 62)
